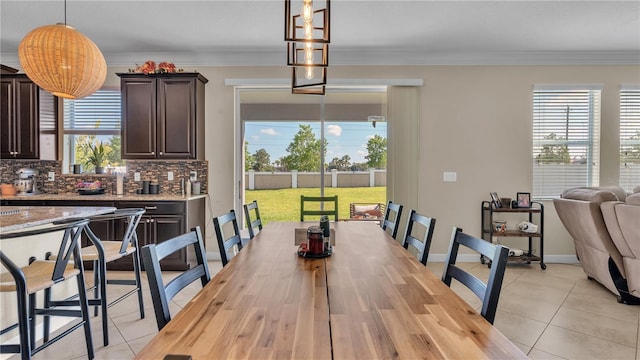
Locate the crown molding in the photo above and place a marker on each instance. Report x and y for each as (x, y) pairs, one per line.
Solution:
(338, 57)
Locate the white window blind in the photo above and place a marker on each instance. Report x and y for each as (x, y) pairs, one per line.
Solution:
(566, 122)
(96, 114)
(629, 137)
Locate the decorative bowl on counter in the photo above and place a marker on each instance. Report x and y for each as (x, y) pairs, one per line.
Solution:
(90, 191)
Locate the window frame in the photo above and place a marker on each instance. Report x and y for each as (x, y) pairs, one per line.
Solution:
(628, 123)
(112, 128)
(561, 169)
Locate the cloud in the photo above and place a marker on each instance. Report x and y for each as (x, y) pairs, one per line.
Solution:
(369, 137)
(255, 137)
(269, 131)
(334, 130)
(362, 153)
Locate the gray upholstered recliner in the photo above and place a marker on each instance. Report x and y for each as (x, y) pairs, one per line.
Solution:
(579, 212)
(623, 223)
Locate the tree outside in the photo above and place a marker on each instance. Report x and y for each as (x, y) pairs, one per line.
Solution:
(304, 154)
(377, 149)
(304, 151)
(554, 154)
(631, 153)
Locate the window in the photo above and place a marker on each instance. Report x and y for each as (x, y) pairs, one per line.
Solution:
(91, 120)
(566, 122)
(629, 136)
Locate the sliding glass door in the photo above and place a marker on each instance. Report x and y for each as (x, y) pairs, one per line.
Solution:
(294, 145)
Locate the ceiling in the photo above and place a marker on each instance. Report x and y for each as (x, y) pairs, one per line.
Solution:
(370, 32)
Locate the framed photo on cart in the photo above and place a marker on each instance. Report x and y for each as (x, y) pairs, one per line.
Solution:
(524, 200)
(495, 200)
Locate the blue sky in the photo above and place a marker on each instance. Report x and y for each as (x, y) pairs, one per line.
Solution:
(345, 138)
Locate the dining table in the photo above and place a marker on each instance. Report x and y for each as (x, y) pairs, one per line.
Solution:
(369, 299)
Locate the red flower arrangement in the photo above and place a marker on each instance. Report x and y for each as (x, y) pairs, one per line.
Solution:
(166, 67)
(149, 67)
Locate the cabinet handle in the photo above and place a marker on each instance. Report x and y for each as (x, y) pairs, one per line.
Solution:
(161, 153)
(153, 153)
(151, 208)
(151, 220)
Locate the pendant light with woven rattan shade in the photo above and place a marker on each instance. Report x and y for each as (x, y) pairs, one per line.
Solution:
(62, 61)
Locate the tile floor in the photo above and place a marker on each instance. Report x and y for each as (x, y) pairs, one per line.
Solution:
(551, 314)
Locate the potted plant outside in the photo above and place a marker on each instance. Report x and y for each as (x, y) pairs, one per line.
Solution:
(96, 157)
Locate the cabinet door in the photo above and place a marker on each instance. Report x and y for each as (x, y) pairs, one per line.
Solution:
(27, 119)
(165, 227)
(176, 118)
(7, 123)
(138, 118)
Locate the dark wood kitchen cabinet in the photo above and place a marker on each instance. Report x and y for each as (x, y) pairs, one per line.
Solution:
(162, 115)
(23, 107)
(162, 221)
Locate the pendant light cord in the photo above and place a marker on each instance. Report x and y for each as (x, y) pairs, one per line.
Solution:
(65, 12)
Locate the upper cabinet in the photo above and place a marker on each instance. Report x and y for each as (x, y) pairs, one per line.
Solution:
(162, 116)
(24, 109)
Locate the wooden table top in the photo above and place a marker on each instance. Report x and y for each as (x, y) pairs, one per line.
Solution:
(370, 299)
(13, 218)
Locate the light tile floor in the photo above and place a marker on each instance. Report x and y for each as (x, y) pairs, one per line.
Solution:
(553, 314)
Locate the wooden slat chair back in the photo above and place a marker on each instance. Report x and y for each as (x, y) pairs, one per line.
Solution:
(489, 293)
(162, 294)
(318, 211)
(40, 275)
(254, 221)
(425, 228)
(392, 218)
(226, 243)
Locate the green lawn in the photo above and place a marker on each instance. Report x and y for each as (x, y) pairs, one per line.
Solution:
(284, 204)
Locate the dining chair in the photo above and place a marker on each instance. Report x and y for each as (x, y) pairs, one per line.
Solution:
(419, 237)
(40, 275)
(225, 243)
(489, 293)
(392, 218)
(256, 222)
(161, 294)
(318, 210)
(103, 251)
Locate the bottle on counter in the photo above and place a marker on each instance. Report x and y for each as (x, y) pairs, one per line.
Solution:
(188, 188)
(119, 183)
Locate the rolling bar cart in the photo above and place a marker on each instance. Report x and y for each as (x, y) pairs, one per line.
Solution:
(535, 212)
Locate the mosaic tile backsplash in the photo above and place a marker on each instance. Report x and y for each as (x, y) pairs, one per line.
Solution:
(155, 171)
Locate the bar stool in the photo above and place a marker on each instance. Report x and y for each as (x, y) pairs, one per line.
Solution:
(42, 275)
(102, 251)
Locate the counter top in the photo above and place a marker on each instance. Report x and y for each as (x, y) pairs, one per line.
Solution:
(20, 217)
(104, 197)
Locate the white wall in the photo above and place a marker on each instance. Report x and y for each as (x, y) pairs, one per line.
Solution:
(463, 111)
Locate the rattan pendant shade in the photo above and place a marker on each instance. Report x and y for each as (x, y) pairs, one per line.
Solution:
(62, 61)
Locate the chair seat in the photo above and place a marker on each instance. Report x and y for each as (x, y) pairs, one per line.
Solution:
(111, 251)
(38, 276)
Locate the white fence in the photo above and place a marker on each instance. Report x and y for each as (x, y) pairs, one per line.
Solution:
(294, 179)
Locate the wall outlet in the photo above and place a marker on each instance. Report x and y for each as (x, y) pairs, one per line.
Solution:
(449, 176)
(136, 176)
(52, 176)
(193, 175)
(170, 176)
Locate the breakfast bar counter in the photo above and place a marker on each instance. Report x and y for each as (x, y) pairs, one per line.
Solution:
(14, 218)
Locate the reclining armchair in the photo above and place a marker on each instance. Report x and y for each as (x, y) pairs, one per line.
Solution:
(623, 223)
(579, 212)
